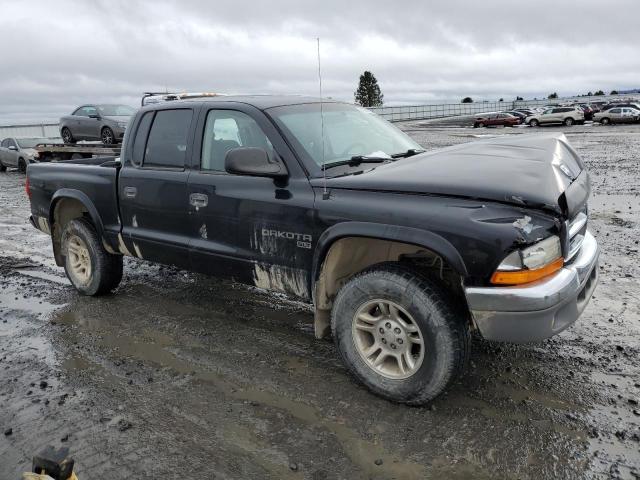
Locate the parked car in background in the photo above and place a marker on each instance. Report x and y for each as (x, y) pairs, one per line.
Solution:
(588, 111)
(518, 114)
(565, 115)
(620, 105)
(527, 111)
(496, 119)
(19, 152)
(617, 115)
(106, 123)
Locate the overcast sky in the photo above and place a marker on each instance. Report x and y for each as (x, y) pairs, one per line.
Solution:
(57, 54)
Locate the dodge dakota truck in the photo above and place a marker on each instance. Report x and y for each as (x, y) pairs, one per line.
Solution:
(402, 252)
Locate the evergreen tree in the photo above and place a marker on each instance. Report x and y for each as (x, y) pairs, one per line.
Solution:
(368, 93)
(518, 99)
(614, 92)
(552, 96)
(599, 93)
(467, 100)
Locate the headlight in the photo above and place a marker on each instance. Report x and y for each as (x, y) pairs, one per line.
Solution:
(530, 264)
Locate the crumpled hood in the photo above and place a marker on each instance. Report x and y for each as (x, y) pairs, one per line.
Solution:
(526, 170)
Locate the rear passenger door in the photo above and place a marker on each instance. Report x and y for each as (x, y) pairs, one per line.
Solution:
(152, 187)
(257, 230)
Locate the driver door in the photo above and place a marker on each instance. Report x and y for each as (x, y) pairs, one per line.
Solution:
(257, 230)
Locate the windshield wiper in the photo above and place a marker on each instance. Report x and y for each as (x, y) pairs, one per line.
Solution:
(409, 153)
(355, 161)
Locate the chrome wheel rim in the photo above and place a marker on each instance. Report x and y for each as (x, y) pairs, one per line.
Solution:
(79, 260)
(388, 339)
(107, 138)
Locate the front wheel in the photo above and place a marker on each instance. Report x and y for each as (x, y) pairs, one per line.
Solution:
(400, 333)
(568, 121)
(534, 123)
(605, 121)
(107, 136)
(90, 268)
(22, 165)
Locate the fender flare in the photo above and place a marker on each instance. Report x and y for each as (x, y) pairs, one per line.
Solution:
(81, 197)
(415, 236)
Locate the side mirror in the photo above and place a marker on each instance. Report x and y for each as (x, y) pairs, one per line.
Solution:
(13, 147)
(254, 162)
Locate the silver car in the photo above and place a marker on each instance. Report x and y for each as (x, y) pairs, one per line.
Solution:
(617, 115)
(19, 152)
(106, 123)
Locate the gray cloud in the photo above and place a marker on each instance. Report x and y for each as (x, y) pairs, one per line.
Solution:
(60, 54)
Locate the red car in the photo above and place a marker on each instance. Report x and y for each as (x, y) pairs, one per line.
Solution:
(495, 119)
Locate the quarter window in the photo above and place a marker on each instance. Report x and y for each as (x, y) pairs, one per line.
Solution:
(167, 143)
(140, 140)
(225, 130)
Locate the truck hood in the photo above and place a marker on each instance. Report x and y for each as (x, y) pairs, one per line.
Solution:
(539, 171)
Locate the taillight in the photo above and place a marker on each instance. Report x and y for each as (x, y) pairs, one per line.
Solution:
(27, 188)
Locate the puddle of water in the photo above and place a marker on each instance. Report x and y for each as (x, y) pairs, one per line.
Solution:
(13, 299)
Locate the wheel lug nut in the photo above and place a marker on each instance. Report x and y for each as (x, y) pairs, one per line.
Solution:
(384, 340)
(382, 330)
(400, 341)
(388, 325)
(396, 330)
(393, 345)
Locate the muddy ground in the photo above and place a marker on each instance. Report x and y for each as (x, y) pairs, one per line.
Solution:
(182, 376)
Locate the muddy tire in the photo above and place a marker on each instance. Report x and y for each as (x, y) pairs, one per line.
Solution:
(400, 333)
(90, 268)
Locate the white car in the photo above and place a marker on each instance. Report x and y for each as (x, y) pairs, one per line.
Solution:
(617, 115)
(564, 115)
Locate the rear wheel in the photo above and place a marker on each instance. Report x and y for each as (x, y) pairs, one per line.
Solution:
(90, 268)
(480, 124)
(66, 135)
(605, 121)
(400, 333)
(22, 165)
(534, 123)
(568, 121)
(107, 137)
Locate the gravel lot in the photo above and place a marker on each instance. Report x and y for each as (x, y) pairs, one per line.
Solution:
(182, 376)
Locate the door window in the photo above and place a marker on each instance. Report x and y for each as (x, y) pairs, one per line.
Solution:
(615, 110)
(5, 143)
(167, 143)
(225, 130)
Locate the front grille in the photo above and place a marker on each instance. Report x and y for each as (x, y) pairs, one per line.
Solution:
(576, 229)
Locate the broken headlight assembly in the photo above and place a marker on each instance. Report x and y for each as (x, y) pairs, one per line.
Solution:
(530, 264)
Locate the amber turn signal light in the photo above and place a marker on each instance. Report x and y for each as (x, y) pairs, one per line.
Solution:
(519, 277)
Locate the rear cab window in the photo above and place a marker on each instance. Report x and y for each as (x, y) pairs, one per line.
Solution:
(167, 141)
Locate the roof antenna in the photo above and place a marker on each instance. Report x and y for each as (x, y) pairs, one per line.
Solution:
(325, 194)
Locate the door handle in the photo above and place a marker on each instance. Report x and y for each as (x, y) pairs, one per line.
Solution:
(199, 200)
(130, 192)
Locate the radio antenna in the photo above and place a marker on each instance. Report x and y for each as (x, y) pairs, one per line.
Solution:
(325, 196)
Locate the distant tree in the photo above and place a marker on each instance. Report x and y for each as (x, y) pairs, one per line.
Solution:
(599, 93)
(519, 99)
(552, 96)
(368, 93)
(614, 92)
(467, 100)
(501, 100)
(589, 94)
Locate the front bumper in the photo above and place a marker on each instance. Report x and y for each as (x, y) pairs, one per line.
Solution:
(539, 310)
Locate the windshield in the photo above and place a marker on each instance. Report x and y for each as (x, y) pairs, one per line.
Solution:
(349, 131)
(31, 142)
(115, 110)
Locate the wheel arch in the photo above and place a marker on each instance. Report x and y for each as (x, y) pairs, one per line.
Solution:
(350, 247)
(67, 204)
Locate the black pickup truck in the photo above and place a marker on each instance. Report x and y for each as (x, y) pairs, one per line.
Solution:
(402, 252)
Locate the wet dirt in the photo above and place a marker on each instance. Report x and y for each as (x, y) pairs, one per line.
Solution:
(182, 375)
